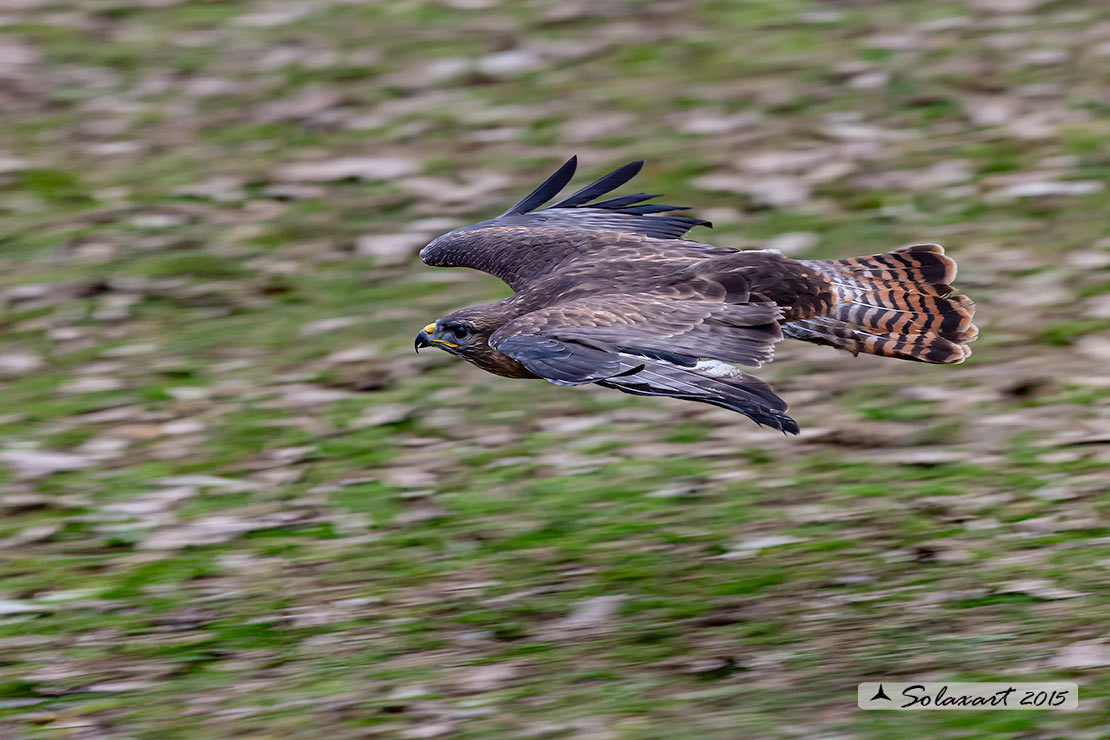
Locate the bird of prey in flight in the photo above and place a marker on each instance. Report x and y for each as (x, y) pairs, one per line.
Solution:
(612, 292)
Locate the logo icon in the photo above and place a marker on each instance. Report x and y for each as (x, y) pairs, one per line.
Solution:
(880, 694)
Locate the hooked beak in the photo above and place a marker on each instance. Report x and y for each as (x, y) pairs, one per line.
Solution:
(424, 338)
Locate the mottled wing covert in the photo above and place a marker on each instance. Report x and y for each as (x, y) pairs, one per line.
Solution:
(657, 326)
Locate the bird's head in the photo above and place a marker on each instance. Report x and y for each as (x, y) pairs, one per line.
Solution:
(465, 333)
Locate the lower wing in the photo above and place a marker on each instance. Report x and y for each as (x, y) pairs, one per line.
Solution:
(709, 381)
(652, 344)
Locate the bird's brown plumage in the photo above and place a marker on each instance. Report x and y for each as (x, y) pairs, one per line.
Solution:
(610, 292)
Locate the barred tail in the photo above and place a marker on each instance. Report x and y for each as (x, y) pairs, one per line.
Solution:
(897, 304)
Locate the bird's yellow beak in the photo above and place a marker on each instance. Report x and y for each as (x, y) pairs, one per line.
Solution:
(424, 338)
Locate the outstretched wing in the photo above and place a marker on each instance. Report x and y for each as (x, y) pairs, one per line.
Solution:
(648, 344)
(526, 240)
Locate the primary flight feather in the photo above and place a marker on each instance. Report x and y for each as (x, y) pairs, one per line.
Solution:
(611, 292)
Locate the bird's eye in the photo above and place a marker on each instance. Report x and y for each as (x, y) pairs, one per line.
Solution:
(460, 332)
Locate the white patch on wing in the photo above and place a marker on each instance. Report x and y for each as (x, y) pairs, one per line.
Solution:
(708, 368)
(716, 369)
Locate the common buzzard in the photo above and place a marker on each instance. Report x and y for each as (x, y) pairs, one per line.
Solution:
(611, 292)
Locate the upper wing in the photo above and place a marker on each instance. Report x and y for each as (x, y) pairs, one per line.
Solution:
(524, 241)
(647, 344)
(626, 213)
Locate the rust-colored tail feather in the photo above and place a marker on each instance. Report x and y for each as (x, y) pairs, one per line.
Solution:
(898, 304)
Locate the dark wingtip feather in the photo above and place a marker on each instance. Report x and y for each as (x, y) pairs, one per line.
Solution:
(548, 189)
(623, 201)
(651, 208)
(603, 185)
(622, 213)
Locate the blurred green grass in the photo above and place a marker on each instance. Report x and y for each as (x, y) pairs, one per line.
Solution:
(381, 529)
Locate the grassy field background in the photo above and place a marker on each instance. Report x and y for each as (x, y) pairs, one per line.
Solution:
(235, 504)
